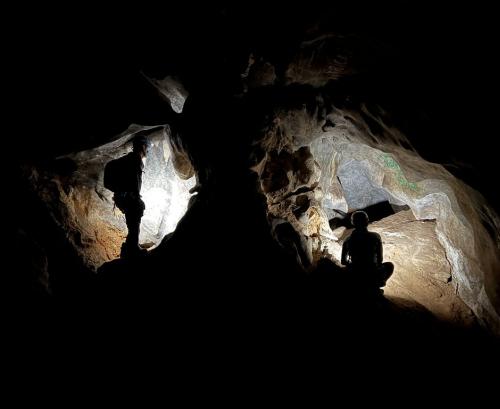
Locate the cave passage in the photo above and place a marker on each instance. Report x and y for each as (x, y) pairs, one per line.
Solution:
(311, 124)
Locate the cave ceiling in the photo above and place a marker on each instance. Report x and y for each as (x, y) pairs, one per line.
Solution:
(86, 72)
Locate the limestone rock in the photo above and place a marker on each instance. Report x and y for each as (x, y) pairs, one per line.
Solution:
(422, 272)
(360, 161)
(85, 210)
(317, 68)
(172, 90)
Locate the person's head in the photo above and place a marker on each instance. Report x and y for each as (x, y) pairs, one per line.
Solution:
(359, 219)
(140, 145)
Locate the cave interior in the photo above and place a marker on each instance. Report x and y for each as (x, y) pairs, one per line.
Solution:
(266, 131)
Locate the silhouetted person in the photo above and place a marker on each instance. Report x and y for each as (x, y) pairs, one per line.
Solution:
(126, 177)
(362, 254)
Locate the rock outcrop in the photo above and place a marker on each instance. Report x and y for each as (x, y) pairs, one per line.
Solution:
(422, 272)
(350, 167)
(85, 210)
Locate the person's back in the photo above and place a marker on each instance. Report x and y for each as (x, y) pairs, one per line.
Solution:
(363, 248)
(124, 174)
(363, 255)
(131, 173)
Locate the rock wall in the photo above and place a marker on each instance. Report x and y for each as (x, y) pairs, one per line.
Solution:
(324, 155)
(84, 209)
(321, 167)
(357, 158)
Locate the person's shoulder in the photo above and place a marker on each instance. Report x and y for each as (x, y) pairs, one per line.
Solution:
(128, 156)
(121, 159)
(375, 235)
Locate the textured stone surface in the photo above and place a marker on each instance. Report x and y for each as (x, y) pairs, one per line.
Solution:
(322, 159)
(355, 166)
(356, 184)
(172, 90)
(85, 210)
(422, 272)
(317, 68)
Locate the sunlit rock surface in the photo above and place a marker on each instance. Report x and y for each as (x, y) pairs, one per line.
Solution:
(85, 210)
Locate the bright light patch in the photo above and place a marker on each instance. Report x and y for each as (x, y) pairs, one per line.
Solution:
(156, 212)
(165, 195)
